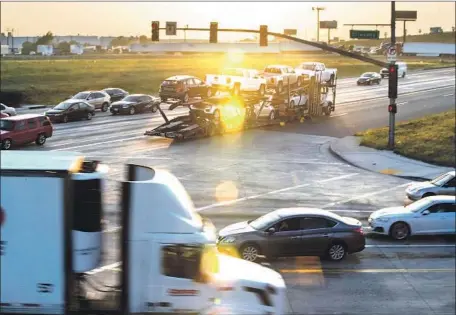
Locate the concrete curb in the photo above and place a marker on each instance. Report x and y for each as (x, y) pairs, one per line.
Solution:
(341, 157)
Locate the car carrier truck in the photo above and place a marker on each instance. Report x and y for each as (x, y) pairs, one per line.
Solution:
(51, 240)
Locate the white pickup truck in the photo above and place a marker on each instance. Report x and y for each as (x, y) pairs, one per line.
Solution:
(317, 70)
(237, 80)
(278, 76)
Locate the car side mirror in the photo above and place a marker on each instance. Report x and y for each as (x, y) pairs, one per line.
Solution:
(426, 212)
(271, 231)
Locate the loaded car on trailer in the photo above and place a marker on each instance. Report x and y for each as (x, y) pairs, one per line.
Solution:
(183, 87)
(278, 77)
(237, 81)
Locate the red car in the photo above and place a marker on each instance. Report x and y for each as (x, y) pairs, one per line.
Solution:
(23, 129)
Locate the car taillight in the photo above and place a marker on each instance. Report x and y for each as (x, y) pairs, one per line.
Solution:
(359, 230)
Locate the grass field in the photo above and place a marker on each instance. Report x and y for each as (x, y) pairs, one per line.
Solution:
(51, 80)
(429, 139)
(446, 38)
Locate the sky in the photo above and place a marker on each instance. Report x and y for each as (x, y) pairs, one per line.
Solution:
(133, 18)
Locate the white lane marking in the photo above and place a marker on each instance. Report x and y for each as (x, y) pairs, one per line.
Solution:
(128, 157)
(410, 245)
(111, 141)
(338, 115)
(448, 95)
(364, 196)
(230, 202)
(403, 103)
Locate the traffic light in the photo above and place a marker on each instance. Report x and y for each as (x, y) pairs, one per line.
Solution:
(392, 81)
(263, 35)
(213, 33)
(155, 31)
(392, 108)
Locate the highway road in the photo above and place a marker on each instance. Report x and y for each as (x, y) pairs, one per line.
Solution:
(256, 171)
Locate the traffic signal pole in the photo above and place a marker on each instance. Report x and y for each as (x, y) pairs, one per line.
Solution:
(392, 114)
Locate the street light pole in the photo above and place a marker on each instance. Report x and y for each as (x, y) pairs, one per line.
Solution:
(318, 9)
(392, 118)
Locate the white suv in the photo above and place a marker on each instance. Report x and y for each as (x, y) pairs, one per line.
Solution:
(98, 99)
(10, 111)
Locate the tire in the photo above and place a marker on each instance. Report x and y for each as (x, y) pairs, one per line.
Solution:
(154, 108)
(7, 144)
(217, 116)
(185, 98)
(262, 90)
(327, 111)
(272, 115)
(400, 231)
(89, 116)
(164, 99)
(299, 82)
(104, 107)
(331, 80)
(403, 74)
(41, 139)
(280, 87)
(132, 110)
(65, 119)
(250, 252)
(211, 130)
(383, 76)
(370, 82)
(208, 93)
(336, 252)
(292, 104)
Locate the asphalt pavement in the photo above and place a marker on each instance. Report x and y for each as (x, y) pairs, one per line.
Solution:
(246, 174)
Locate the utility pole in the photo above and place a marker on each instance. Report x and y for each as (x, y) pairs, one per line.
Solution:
(318, 9)
(405, 32)
(392, 100)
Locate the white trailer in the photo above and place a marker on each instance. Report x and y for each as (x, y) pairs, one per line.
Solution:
(76, 49)
(51, 204)
(4, 50)
(45, 50)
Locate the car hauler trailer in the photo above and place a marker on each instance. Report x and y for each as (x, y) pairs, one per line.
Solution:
(51, 233)
(218, 115)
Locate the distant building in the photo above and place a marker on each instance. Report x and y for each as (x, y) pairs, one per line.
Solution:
(436, 30)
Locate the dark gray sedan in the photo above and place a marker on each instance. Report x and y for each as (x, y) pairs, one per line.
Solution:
(294, 232)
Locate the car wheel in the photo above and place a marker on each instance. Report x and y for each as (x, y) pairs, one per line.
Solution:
(41, 139)
(370, 83)
(280, 87)
(6, 144)
(154, 108)
(209, 93)
(336, 252)
(211, 130)
(403, 75)
(331, 80)
(250, 252)
(383, 76)
(292, 104)
(217, 116)
(89, 116)
(262, 90)
(104, 107)
(132, 110)
(400, 231)
(327, 111)
(164, 99)
(272, 115)
(185, 98)
(65, 119)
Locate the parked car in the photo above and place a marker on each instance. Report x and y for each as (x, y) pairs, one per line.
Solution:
(369, 78)
(23, 129)
(401, 70)
(183, 87)
(98, 99)
(116, 94)
(236, 81)
(135, 103)
(279, 76)
(444, 184)
(430, 215)
(294, 232)
(10, 111)
(72, 109)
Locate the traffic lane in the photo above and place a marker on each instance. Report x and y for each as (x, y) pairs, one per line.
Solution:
(359, 116)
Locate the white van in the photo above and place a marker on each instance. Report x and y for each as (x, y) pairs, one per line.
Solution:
(401, 70)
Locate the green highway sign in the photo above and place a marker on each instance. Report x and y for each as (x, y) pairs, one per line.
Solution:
(364, 34)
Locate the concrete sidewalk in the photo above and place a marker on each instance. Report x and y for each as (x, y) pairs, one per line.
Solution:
(382, 161)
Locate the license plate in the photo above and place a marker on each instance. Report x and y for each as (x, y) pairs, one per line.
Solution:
(116, 109)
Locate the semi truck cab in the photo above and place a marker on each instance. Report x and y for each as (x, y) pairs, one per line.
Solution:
(169, 261)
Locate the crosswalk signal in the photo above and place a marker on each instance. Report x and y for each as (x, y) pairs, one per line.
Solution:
(213, 33)
(392, 81)
(392, 108)
(263, 35)
(155, 31)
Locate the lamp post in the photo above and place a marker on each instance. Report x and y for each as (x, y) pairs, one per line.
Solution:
(318, 9)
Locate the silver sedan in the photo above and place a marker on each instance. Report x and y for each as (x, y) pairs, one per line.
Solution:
(445, 184)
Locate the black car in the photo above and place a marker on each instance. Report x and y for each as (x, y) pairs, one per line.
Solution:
(183, 87)
(71, 109)
(116, 94)
(294, 232)
(369, 78)
(135, 103)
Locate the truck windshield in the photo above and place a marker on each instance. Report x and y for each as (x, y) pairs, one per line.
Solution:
(6, 125)
(305, 66)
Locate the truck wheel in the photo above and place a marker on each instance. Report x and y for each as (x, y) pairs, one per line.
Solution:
(104, 107)
(280, 87)
(6, 144)
(41, 139)
(262, 90)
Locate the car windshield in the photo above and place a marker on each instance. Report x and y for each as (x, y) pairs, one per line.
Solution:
(418, 205)
(367, 75)
(273, 70)
(442, 179)
(306, 66)
(264, 221)
(63, 105)
(81, 96)
(233, 72)
(132, 98)
(170, 82)
(6, 125)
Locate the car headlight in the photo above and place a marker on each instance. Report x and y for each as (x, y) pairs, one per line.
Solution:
(228, 239)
